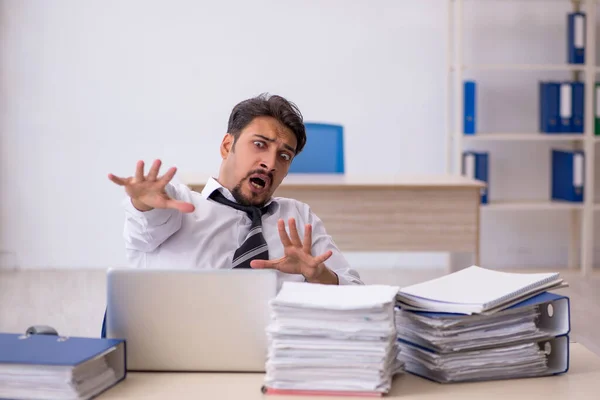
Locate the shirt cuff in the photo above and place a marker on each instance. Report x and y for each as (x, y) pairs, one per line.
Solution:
(154, 217)
(347, 279)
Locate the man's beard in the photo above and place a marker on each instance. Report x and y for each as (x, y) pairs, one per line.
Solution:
(244, 200)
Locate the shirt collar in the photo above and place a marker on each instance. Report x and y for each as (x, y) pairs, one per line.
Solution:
(212, 184)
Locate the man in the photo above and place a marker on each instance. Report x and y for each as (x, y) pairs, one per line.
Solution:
(235, 222)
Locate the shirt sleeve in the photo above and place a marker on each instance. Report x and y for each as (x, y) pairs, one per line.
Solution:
(144, 231)
(322, 242)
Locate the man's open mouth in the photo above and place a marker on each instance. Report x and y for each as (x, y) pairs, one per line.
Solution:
(260, 181)
(257, 183)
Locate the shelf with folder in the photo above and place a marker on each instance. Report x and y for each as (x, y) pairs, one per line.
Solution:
(524, 136)
(567, 115)
(531, 205)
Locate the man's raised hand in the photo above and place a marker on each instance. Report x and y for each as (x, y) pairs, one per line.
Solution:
(298, 258)
(148, 191)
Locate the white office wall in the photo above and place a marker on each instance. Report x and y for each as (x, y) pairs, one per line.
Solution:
(89, 87)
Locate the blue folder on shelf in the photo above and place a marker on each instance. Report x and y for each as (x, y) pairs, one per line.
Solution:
(74, 367)
(470, 108)
(576, 38)
(549, 103)
(475, 166)
(568, 175)
(578, 107)
(561, 107)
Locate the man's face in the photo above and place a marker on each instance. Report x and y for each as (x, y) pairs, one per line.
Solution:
(254, 167)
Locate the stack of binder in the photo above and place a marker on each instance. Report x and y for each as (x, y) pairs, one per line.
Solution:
(478, 324)
(335, 340)
(57, 367)
(561, 106)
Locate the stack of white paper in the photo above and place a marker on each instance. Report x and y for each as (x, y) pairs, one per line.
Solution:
(56, 382)
(516, 361)
(476, 290)
(332, 338)
(456, 333)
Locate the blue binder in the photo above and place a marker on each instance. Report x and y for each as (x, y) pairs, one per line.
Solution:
(578, 107)
(549, 101)
(57, 351)
(568, 175)
(554, 320)
(576, 37)
(424, 358)
(475, 166)
(557, 351)
(470, 107)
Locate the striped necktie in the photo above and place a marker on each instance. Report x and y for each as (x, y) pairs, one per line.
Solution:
(254, 246)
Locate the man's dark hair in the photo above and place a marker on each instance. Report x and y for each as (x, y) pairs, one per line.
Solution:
(274, 106)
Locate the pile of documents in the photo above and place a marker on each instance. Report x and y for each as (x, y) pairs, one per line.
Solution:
(332, 339)
(479, 324)
(51, 367)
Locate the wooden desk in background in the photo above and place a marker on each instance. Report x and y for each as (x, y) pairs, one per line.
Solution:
(581, 382)
(426, 213)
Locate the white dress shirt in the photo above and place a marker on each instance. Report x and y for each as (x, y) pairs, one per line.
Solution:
(209, 236)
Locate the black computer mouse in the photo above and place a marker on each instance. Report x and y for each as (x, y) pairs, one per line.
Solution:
(41, 330)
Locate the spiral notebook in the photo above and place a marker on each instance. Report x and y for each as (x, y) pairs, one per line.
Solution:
(476, 290)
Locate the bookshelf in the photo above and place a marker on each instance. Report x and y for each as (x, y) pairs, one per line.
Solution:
(581, 215)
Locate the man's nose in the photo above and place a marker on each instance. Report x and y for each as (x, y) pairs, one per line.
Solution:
(269, 162)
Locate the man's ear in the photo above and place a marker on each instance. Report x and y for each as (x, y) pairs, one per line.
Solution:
(227, 145)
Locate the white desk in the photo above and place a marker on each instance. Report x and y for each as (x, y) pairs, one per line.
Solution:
(393, 213)
(581, 382)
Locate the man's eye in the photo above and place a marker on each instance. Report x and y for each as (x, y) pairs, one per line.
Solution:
(286, 156)
(259, 144)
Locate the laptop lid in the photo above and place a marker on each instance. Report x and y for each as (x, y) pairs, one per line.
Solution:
(191, 320)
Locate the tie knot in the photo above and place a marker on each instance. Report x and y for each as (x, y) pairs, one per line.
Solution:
(253, 212)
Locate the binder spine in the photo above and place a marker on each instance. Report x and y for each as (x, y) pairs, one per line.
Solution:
(549, 101)
(578, 101)
(576, 38)
(566, 107)
(475, 166)
(578, 168)
(470, 109)
(555, 317)
(557, 352)
(597, 109)
(568, 175)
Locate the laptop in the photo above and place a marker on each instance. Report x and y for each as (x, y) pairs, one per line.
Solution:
(191, 320)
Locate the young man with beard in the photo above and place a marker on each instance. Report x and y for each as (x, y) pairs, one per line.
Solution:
(235, 222)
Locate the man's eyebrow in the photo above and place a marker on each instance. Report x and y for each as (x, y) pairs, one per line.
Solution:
(268, 139)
